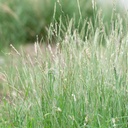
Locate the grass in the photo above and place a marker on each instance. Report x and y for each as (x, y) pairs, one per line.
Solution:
(77, 83)
(78, 79)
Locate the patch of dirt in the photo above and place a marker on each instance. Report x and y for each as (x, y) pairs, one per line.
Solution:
(33, 50)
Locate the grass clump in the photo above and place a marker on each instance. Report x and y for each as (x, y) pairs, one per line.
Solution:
(74, 83)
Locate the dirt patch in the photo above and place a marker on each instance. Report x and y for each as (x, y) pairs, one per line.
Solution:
(33, 50)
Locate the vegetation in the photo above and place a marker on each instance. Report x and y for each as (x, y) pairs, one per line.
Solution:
(79, 82)
(74, 83)
(21, 21)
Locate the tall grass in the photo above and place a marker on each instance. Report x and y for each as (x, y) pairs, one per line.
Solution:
(74, 84)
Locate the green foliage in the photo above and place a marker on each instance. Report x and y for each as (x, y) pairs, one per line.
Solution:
(74, 83)
(21, 21)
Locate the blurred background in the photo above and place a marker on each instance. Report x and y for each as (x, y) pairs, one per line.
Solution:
(21, 21)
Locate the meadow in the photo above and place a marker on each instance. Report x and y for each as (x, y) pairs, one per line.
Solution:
(74, 79)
